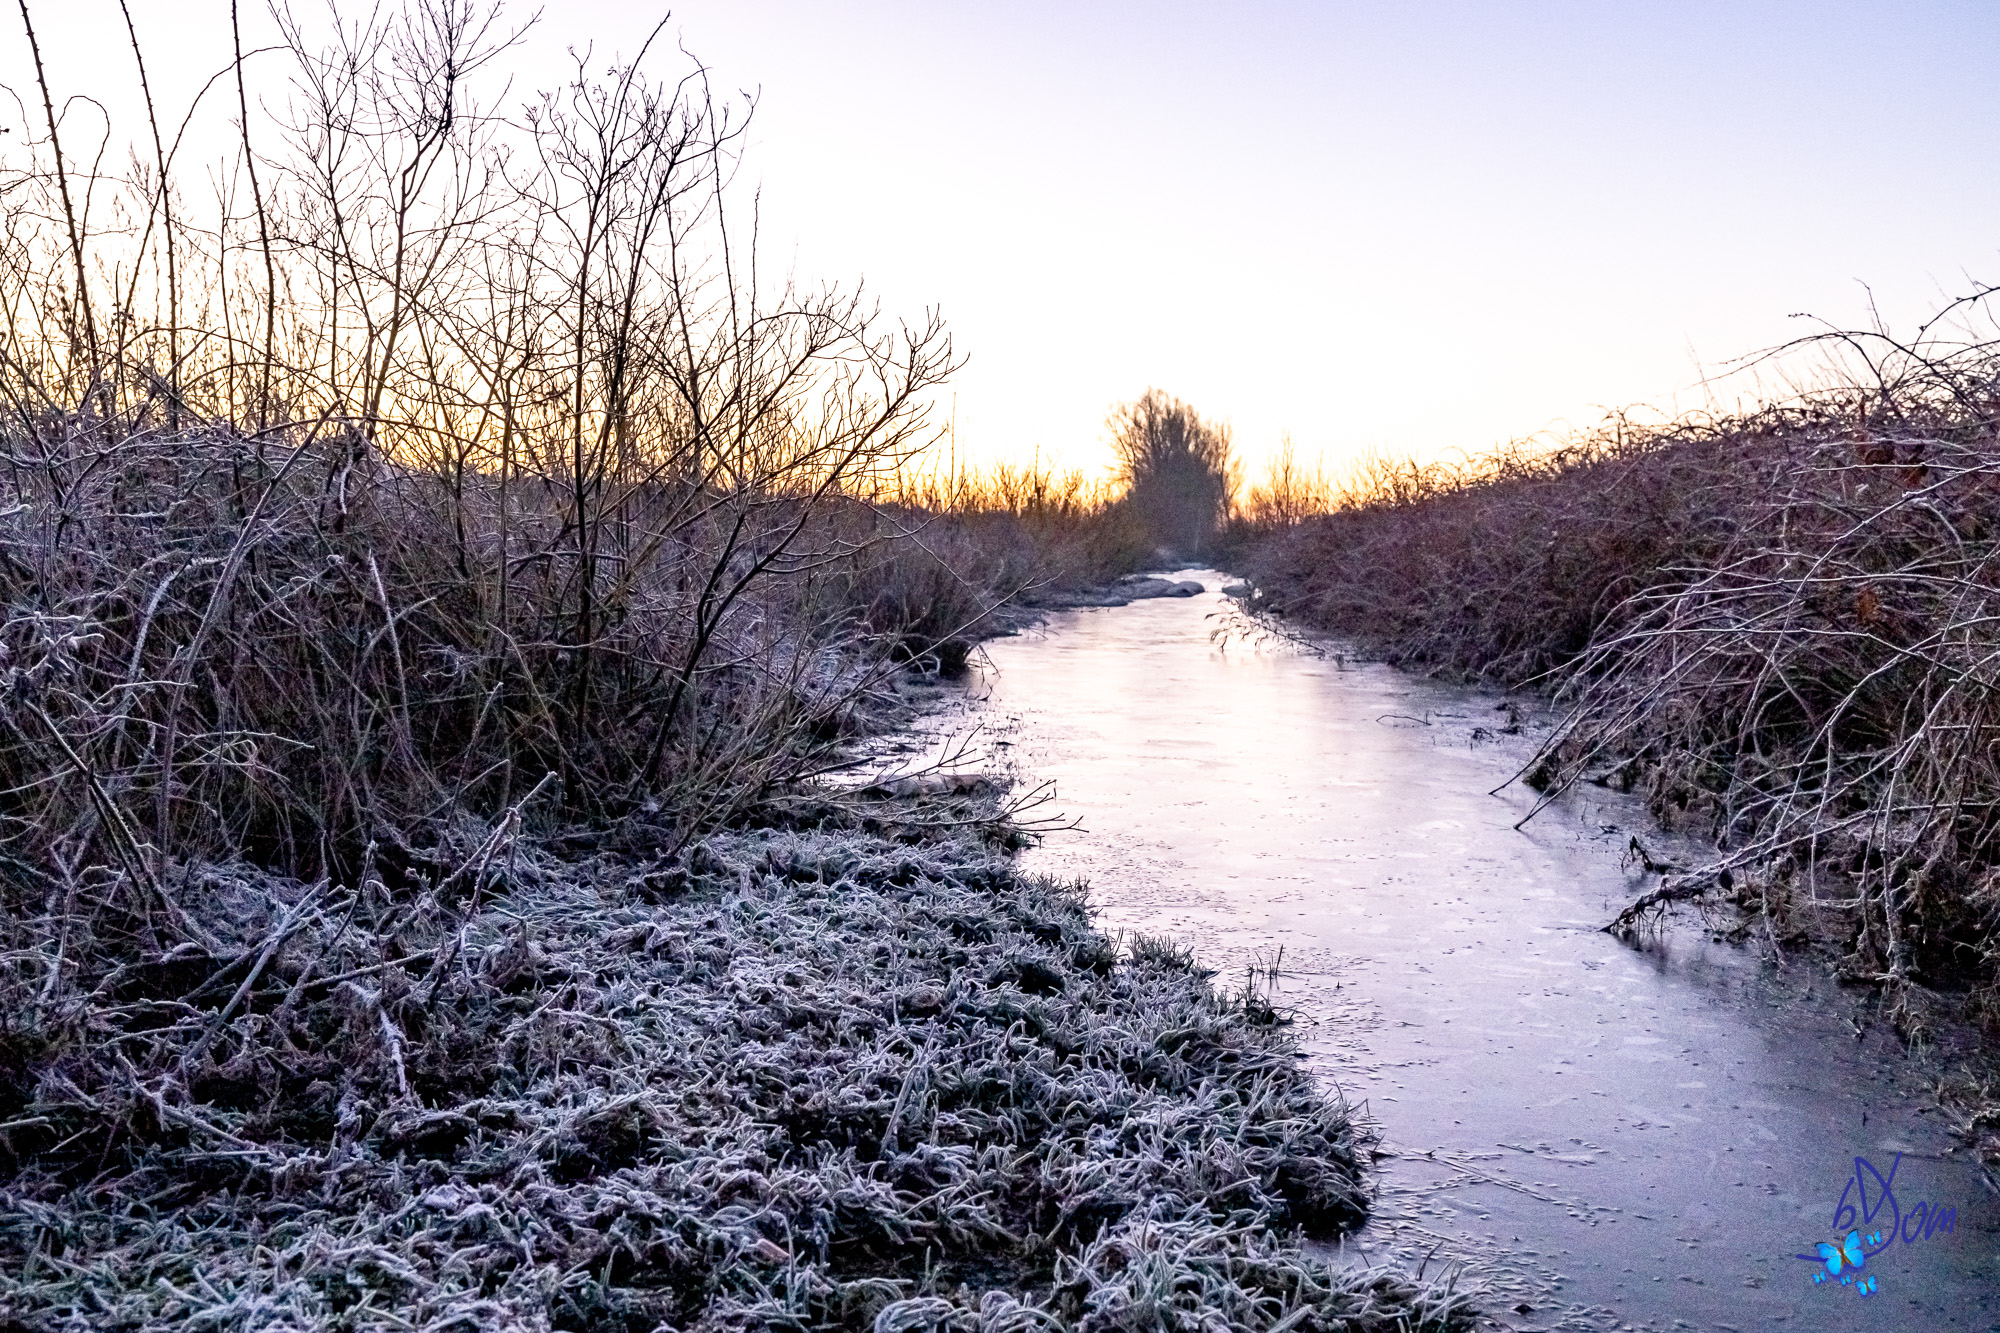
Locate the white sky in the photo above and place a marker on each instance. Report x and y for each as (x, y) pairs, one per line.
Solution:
(1400, 226)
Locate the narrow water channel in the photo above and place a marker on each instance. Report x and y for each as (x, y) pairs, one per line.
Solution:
(1611, 1136)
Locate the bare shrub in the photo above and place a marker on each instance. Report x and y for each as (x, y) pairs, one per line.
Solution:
(1819, 696)
(513, 472)
(978, 541)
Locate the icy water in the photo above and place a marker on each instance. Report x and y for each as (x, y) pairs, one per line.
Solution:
(1613, 1136)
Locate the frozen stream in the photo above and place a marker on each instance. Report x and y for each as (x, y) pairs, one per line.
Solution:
(1616, 1136)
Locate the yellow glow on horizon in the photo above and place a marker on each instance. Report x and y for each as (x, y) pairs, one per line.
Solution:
(1406, 230)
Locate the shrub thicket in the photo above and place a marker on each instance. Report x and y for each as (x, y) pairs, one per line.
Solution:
(1504, 567)
(1781, 625)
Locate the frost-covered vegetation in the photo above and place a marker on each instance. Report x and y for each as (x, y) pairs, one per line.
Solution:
(433, 580)
(791, 1079)
(1780, 626)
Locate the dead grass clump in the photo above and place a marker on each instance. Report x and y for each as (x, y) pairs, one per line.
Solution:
(1019, 534)
(1505, 567)
(790, 1079)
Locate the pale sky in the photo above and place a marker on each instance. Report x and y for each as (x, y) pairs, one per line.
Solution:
(1395, 226)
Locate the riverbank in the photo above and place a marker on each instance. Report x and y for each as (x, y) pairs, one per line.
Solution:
(417, 918)
(1612, 1133)
(422, 910)
(847, 1074)
(1774, 627)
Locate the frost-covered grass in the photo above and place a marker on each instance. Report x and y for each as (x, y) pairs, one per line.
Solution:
(789, 1079)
